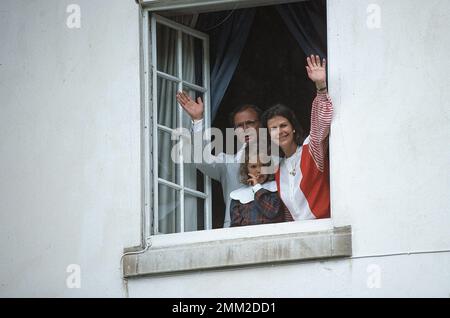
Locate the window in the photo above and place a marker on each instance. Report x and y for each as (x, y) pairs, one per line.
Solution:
(179, 61)
(177, 197)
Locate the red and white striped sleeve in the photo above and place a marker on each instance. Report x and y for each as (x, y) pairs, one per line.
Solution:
(321, 115)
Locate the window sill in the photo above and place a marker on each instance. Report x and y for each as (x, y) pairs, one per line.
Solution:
(194, 254)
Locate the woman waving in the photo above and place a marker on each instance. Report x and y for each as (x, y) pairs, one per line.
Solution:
(303, 175)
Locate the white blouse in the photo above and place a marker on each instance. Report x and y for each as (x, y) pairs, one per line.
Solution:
(290, 192)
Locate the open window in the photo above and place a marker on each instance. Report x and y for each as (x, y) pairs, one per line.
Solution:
(257, 57)
(179, 62)
(182, 43)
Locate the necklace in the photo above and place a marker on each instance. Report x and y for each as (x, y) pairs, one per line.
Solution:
(293, 171)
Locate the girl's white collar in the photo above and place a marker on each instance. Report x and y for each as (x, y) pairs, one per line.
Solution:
(245, 194)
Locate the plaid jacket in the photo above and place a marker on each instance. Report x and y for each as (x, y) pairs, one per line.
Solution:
(267, 207)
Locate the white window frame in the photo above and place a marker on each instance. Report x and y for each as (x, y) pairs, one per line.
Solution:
(206, 5)
(329, 230)
(150, 113)
(151, 184)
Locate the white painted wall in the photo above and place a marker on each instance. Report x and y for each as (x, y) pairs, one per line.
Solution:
(405, 276)
(390, 164)
(69, 145)
(69, 165)
(391, 132)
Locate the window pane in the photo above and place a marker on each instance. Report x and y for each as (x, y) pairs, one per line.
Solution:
(168, 210)
(194, 209)
(167, 168)
(167, 103)
(166, 49)
(193, 179)
(192, 60)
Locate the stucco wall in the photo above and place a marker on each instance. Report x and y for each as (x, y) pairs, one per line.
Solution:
(69, 164)
(389, 164)
(69, 145)
(390, 141)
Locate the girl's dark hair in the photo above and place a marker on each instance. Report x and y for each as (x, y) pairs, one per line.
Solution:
(286, 112)
(243, 170)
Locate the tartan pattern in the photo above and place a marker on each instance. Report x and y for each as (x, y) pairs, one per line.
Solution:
(267, 207)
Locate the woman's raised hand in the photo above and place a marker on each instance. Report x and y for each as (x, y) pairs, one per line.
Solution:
(317, 71)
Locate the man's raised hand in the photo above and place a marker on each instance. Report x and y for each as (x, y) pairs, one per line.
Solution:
(194, 109)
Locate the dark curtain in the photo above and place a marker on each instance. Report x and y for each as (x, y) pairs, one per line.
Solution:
(305, 20)
(228, 32)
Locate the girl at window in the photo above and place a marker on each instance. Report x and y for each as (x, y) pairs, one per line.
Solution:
(258, 201)
(303, 175)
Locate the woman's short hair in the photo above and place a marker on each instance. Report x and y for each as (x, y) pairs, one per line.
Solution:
(286, 112)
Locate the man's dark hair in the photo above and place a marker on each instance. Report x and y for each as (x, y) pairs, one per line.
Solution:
(286, 112)
(243, 107)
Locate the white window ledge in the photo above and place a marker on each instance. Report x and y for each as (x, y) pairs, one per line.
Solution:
(243, 246)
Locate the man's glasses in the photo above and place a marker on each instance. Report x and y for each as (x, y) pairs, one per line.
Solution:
(246, 124)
